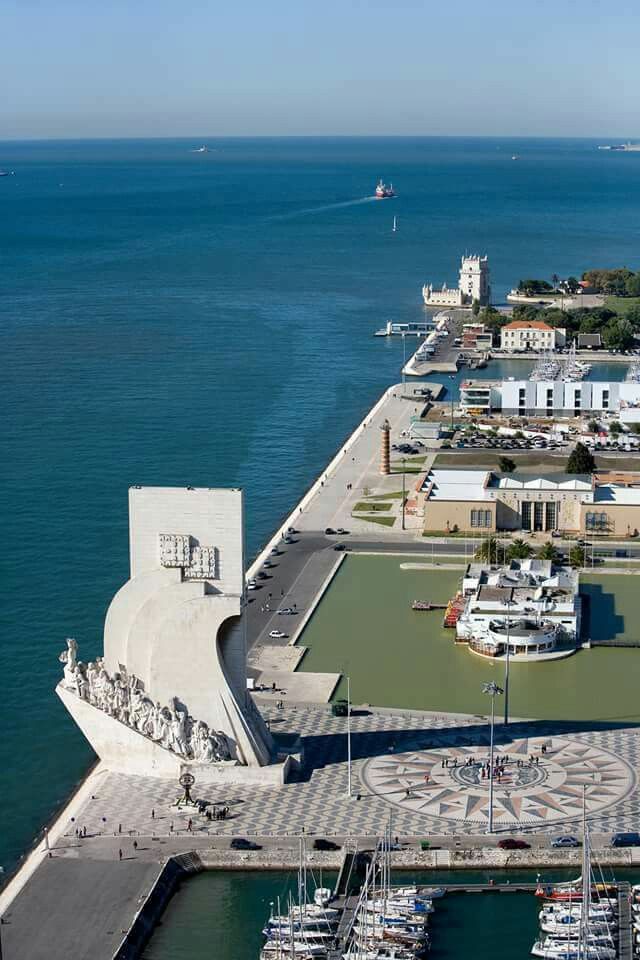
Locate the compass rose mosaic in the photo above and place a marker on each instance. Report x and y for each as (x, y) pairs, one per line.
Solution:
(538, 780)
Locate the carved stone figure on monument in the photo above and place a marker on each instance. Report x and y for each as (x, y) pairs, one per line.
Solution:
(82, 684)
(69, 658)
(178, 729)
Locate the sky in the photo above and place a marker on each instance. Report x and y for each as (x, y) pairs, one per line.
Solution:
(121, 68)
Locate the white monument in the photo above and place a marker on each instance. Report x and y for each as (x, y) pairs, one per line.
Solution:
(473, 284)
(170, 691)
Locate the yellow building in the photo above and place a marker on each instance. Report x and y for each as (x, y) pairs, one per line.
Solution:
(481, 501)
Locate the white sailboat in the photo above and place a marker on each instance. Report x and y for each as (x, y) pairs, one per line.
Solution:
(395, 225)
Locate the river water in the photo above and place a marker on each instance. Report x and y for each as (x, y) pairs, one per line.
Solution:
(172, 318)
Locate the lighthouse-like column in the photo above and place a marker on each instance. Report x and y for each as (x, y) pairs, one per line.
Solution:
(385, 456)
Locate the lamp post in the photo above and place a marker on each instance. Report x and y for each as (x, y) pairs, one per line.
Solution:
(403, 493)
(493, 690)
(508, 604)
(348, 736)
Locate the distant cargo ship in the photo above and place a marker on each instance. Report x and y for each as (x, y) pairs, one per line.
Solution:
(630, 147)
(383, 192)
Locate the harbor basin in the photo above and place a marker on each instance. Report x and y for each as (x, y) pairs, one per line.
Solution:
(396, 657)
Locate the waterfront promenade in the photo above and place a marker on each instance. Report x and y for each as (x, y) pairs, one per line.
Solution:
(84, 897)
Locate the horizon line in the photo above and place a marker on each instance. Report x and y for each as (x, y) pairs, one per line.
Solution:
(318, 136)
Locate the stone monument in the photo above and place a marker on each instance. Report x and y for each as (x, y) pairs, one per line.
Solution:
(170, 692)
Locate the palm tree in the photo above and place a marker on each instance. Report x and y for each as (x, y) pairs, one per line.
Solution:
(487, 551)
(548, 552)
(519, 550)
(577, 556)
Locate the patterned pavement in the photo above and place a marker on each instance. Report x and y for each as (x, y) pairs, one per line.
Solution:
(391, 755)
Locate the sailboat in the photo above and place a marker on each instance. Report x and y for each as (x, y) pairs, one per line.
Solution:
(395, 225)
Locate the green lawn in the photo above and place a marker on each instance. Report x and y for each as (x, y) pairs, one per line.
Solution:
(396, 495)
(397, 657)
(383, 521)
(374, 507)
(621, 304)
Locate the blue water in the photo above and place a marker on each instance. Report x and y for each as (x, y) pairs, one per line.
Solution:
(179, 318)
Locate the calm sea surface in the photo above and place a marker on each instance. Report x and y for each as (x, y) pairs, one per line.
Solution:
(179, 318)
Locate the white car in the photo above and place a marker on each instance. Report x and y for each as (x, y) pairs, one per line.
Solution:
(277, 635)
(252, 584)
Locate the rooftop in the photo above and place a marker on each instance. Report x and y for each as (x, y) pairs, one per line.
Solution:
(527, 324)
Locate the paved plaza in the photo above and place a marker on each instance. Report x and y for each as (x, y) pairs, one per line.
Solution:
(398, 768)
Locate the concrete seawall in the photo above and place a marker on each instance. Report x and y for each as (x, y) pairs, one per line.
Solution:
(171, 873)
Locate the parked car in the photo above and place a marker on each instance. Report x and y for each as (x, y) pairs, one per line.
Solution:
(261, 575)
(340, 546)
(277, 635)
(252, 584)
(275, 552)
(241, 843)
(512, 843)
(329, 532)
(320, 843)
(267, 564)
(342, 531)
(565, 842)
(625, 840)
(286, 611)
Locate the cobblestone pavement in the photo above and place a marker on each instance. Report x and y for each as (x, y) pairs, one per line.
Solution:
(391, 754)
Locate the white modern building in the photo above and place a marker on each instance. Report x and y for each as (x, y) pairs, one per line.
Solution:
(531, 606)
(551, 398)
(473, 284)
(170, 693)
(521, 336)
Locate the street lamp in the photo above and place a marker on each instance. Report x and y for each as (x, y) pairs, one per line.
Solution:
(348, 736)
(493, 690)
(403, 494)
(508, 604)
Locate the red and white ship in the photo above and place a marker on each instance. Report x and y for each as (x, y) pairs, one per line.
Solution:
(383, 192)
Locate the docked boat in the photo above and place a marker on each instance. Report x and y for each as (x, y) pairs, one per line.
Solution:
(384, 191)
(565, 951)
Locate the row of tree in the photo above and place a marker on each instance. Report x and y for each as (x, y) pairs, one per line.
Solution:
(621, 282)
(491, 551)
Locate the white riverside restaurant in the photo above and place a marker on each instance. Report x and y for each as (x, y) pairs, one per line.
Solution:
(531, 606)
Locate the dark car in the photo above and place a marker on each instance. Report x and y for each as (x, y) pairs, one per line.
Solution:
(340, 546)
(510, 843)
(625, 840)
(261, 575)
(321, 844)
(240, 843)
(340, 708)
(329, 532)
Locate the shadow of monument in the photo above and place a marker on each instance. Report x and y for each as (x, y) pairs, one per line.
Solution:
(325, 750)
(600, 622)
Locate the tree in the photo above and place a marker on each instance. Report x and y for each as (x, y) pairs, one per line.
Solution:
(475, 307)
(632, 285)
(488, 550)
(594, 426)
(577, 556)
(618, 334)
(548, 552)
(632, 314)
(615, 427)
(555, 279)
(635, 428)
(519, 550)
(581, 460)
(506, 464)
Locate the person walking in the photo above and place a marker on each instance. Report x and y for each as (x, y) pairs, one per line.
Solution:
(120, 854)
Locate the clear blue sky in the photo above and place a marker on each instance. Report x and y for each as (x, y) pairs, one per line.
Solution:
(186, 67)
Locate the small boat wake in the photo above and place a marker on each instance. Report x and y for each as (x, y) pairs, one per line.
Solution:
(327, 206)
